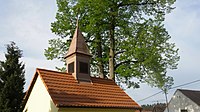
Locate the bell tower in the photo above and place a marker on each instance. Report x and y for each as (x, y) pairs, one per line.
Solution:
(78, 57)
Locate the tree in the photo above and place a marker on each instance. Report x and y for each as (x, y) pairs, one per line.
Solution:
(127, 38)
(156, 107)
(12, 80)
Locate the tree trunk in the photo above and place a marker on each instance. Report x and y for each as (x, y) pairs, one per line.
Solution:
(99, 55)
(165, 92)
(111, 58)
(112, 48)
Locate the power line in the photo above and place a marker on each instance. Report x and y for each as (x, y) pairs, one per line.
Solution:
(169, 89)
(150, 96)
(185, 84)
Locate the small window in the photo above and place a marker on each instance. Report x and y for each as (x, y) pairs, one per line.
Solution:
(71, 67)
(184, 110)
(83, 67)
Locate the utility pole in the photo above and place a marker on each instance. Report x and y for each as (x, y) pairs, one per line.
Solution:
(165, 92)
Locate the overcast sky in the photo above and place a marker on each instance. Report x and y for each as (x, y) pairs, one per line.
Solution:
(27, 22)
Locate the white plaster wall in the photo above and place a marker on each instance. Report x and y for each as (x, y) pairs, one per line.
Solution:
(39, 99)
(180, 101)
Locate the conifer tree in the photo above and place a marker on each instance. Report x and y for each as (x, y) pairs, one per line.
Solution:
(12, 80)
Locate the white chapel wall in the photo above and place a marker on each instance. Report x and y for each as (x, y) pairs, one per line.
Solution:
(39, 99)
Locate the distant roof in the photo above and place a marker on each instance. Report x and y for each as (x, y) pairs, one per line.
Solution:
(194, 95)
(146, 110)
(159, 108)
(65, 91)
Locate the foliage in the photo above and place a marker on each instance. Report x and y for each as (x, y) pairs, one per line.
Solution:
(12, 80)
(127, 36)
(156, 107)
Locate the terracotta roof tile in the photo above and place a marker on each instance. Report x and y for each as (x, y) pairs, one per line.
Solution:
(66, 91)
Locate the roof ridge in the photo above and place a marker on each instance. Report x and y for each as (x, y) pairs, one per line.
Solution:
(188, 90)
(100, 78)
(41, 69)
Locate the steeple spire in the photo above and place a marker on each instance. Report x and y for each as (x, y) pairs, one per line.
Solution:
(78, 57)
(78, 44)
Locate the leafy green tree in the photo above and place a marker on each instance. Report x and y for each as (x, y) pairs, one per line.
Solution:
(12, 80)
(127, 38)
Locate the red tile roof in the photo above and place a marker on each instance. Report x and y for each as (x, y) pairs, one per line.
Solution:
(65, 91)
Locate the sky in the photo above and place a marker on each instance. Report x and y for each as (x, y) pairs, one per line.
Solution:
(27, 23)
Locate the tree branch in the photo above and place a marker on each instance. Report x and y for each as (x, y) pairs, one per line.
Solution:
(119, 52)
(88, 41)
(124, 62)
(132, 3)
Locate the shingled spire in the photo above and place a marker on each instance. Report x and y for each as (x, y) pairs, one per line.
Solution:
(78, 44)
(78, 57)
